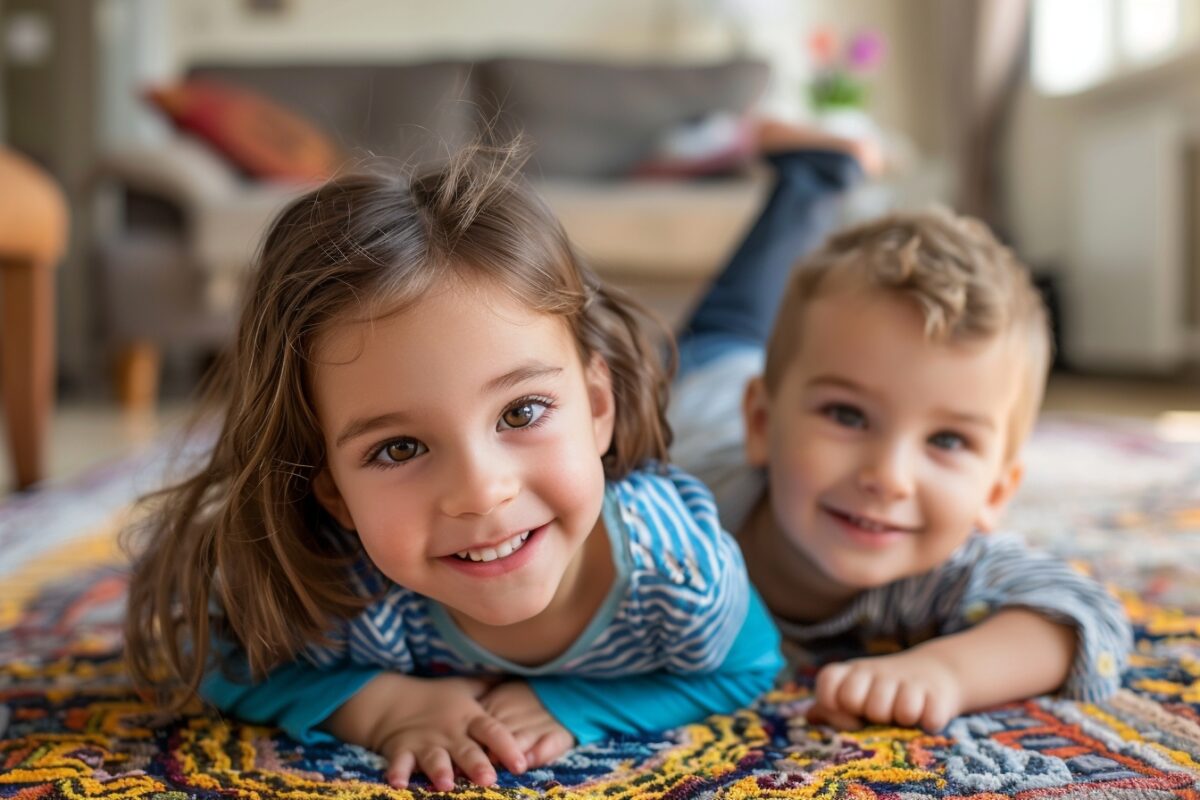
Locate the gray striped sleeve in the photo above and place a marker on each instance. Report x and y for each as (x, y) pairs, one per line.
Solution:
(988, 573)
(1004, 573)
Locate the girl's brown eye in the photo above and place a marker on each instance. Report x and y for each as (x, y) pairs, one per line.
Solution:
(520, 416)
(402, 450)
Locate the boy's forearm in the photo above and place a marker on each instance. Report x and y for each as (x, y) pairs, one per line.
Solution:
(1012, 655)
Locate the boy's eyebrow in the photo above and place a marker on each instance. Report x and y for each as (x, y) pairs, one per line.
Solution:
(968, 417)
(525, 372)
(837, 380)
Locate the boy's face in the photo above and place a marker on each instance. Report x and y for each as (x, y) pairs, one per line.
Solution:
(884, 450)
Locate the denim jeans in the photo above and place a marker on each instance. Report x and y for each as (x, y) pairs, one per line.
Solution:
(739, 308)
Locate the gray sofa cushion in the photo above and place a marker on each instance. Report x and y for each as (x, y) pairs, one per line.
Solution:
(406, 111)
(595, 119)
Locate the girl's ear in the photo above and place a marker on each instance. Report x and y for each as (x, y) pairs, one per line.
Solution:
(1002, 491)
(325, 490)
(600, 395)
(756, 415)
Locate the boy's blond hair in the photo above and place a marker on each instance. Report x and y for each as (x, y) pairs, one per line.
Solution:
(967, 285)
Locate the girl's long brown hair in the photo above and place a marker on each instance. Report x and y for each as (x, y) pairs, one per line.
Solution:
(231, 554)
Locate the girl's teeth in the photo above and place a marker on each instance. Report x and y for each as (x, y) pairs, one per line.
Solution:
(503, 550)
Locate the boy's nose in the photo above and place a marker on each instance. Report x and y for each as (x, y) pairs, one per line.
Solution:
(888, 472)
(478, 483)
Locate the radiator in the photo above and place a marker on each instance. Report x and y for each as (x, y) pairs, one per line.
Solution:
(1127, 297)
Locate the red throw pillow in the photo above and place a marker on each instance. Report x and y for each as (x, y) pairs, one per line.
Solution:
(259, 136)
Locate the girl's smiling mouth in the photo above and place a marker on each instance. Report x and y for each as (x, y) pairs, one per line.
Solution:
(511, 554)
(502, 550)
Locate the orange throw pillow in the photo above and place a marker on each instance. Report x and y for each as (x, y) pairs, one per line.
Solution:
(262, 138)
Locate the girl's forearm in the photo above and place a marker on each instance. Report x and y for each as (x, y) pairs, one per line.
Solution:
(359, 720)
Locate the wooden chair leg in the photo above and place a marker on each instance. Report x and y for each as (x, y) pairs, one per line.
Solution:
(27, 363)
(138, 367)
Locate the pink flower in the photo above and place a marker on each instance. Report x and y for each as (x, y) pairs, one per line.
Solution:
(865, 50)
(823, 44)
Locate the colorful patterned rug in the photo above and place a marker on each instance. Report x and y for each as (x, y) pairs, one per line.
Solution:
(1112, 496)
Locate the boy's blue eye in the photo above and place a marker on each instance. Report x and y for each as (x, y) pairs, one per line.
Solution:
(846, 415)
(948, 440)
(522, 415)
(399, 451)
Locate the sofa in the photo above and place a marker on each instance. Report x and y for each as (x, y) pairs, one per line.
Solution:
(182, 222)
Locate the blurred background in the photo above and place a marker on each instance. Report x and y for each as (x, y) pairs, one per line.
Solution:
(144, 144)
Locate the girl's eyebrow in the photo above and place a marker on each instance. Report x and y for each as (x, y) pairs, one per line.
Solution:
(525, 372)
(365, 425)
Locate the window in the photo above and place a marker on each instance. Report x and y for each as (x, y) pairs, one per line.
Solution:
(1077, 44)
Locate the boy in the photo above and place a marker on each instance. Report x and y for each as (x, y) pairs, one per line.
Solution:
(864, 449)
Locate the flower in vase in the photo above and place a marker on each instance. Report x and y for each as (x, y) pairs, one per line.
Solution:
(842, 70)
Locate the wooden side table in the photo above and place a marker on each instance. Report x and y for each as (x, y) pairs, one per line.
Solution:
(33, 236)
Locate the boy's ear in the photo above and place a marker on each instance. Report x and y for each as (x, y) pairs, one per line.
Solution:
(1002, 491)
(600, 396)
(756, 415)
(325, 490)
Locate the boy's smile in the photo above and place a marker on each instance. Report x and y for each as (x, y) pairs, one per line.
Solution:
(884, 451)
(464, 437)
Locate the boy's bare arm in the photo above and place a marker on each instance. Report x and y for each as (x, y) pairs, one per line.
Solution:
(1012, 655)
(428, 725)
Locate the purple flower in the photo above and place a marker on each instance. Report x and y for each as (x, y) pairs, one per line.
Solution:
(865, 50)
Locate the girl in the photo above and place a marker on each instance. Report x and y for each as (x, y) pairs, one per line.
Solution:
(439, 466)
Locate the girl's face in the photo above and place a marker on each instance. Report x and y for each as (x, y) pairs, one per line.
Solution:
(464, 438)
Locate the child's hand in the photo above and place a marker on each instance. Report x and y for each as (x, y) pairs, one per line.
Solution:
(540, 736)
(908, 688)
(430, 725)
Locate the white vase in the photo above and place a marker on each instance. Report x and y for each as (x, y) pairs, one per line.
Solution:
(853, 123)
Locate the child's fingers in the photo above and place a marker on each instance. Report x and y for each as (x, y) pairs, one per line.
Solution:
(819, 715)
(879, 706)
(551, 746)
(852, 694)
(937, 713)
(474, 763)
(909, 705)
(435, 763)
(499, 740)
(478, 685)
(400, 769)
(829, 681)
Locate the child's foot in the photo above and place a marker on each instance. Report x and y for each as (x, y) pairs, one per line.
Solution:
(776, 136)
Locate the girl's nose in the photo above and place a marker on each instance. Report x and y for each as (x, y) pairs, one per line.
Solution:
(888, 472)
(478, 483)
